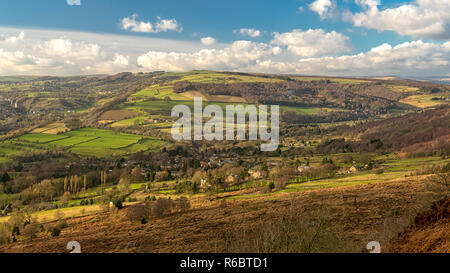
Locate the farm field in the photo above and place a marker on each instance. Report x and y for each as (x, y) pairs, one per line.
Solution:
(424, 101)
(54, 128)
(92, 142)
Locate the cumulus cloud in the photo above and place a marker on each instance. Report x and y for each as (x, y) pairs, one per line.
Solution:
(15, 39)
(420, 19)
(208, 41)
(323, 7)
(57, 56)
(41, 52)
(14, 62)
(238, 55)
(66, 48)
(118, 63)
(313, 42)
(162, 25)
(74, 2)
(409, 58)
(248, 32)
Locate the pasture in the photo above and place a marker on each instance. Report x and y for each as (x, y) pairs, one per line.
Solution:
(91, 142)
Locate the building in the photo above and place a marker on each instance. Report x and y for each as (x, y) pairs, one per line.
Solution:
(355, 168)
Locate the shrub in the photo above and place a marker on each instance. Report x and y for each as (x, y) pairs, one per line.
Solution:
(61, 224)
(56, 231)
(31, 230)
(183, 204)
(137, 212)
(162, 207)
(118, 204)
(5, 234)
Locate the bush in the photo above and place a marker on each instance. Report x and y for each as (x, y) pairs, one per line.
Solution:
(162, 207)
(56, 231)
(61, 224)
(137, 212)
(5, 234)
(118, 204)
(31, 230)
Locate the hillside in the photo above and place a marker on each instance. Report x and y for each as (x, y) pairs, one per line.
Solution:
(92, 158)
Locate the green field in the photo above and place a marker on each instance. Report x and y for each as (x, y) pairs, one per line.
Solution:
(89, 142)
(424, 101)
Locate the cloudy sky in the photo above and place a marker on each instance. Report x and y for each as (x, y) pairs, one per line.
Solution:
(312, 37)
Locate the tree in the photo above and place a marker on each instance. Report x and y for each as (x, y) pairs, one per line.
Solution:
(66, 198)
(162, 207)
(124, 183)
(66, 186)
(5, 177)
(162, 176)
(31, 230)
(136, 175)
(16, 221)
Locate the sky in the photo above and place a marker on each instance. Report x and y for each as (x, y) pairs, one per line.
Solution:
(308, 37)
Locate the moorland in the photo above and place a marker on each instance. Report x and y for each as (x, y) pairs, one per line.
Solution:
(92, 159)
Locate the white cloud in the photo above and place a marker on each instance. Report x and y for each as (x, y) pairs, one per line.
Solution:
(119, 63)
(410, 58)
(15, 39)
(208, 41)
(61, 53)
(238, 55)
(162, 25)
(16, 62)
(74, 2)
(66, 48)
(322, 7)
(313, 42)
(248, 32)
(420, 19)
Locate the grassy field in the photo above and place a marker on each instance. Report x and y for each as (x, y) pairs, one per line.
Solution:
(336, 80)
(423, 101)
(159, 91)
(91, 142)
(394, 168)
(49, 215)
(402, 89)
(54, 128)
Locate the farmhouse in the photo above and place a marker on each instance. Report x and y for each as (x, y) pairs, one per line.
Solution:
(301, 169)
(255, 174)
(355, 168)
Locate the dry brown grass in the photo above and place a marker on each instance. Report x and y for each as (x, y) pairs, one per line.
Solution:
(209, 225)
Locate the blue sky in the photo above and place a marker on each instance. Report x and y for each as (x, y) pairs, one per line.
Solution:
(289, 36)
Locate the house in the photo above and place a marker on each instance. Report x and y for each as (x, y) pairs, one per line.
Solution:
(355, 168)
(301, 169)
(231, 179)
(255, 174)
(203, 183)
